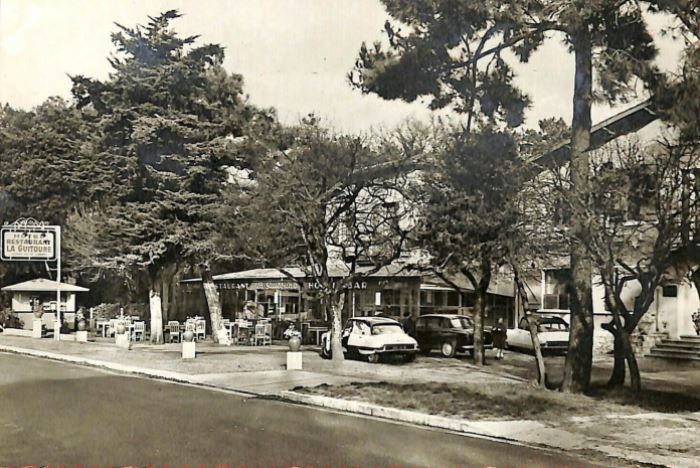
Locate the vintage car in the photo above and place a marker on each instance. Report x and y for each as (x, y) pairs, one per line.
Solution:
(448, 333)
(553, 333)
(371, 338)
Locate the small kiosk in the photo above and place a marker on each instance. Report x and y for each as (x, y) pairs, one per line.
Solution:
(25, 294)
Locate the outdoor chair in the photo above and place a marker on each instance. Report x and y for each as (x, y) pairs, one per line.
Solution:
(200, 327)
(242, 334)
(112, 327)
(139, 330)
(260, 335)
(173, 330)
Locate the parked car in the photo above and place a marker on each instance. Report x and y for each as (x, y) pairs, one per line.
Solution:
(370, 338)
(448, 333)
(553, 333)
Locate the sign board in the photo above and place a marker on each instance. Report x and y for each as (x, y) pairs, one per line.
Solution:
(27, 244)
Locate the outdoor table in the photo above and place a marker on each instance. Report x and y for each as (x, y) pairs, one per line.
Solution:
(102, 325)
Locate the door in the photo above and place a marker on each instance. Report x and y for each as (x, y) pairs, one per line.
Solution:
(433, 332)
(421, 333)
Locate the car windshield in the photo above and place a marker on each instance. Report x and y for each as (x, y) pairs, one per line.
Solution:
(552, 326)
(460, 322)
(386, 329)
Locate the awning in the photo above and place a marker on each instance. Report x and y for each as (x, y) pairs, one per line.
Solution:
(434, 287)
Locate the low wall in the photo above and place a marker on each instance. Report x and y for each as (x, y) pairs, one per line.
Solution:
(48, 320)
(17, 332)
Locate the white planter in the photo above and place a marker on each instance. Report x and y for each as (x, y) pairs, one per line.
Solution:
(188, 349)
(294, 360)
(37, 328)
(81, 336)
(122, 340)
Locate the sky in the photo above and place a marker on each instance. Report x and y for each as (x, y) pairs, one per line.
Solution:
(294, 55)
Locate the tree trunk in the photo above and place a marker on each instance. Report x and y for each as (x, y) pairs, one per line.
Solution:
(481, 304)
(479, 355)
(532, 326)
(579, 359)
(213, 303)
(635, 377)
(617, 378)
(156, 315)
(165, 297)
(337, 328)
(539, 359)
(167, 278)
(695, 278)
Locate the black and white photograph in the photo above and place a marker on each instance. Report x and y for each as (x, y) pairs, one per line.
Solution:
(349, 233)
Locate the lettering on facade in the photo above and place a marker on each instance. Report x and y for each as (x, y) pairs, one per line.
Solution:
(232, 285)
(355, 285)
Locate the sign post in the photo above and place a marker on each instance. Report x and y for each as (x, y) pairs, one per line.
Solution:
(29, 240)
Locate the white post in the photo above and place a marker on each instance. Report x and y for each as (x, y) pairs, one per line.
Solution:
(543, 287)
(57, 327)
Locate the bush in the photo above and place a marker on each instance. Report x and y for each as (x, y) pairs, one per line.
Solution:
(8, 319)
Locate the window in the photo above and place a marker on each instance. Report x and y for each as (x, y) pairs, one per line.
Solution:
(453, 298)
(387, 329)
(462, 323)
(433, 323)
(556, 291)
(670, 290)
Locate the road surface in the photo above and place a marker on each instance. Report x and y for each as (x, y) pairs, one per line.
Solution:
(54, 413)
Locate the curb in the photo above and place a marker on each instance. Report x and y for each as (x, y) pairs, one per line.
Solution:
(167, 376)
(393, 414)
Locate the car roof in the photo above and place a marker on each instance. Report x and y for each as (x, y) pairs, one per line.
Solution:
(445, 316)
(375, 320)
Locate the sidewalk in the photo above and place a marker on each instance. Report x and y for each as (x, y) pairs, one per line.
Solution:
(253, 371)
(653, 438)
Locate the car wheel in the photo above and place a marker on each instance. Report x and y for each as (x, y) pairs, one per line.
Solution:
(325, 354)
(448, 349)
(373, 358)
(409, 357)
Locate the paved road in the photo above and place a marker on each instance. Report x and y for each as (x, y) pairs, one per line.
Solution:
(58, 414)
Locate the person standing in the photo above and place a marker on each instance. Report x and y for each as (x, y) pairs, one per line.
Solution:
(498, 332)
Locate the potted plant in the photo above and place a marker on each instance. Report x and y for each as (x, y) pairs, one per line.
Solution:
(188, 336)
(120, 327)
(80, 319)
(36, 308)
(293, 338)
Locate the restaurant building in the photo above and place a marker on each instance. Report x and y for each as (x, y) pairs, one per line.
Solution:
(393, 291)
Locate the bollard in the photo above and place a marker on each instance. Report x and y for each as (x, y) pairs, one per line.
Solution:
(81, 336)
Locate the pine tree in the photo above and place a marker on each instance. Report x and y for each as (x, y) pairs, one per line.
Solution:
(452, 53)
(170, 117)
